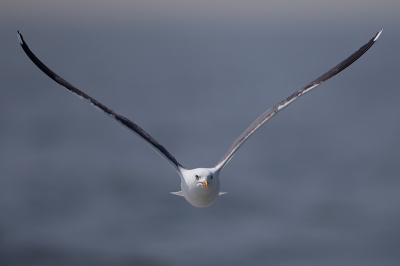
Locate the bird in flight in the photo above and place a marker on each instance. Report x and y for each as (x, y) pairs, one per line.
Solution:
(199, 186)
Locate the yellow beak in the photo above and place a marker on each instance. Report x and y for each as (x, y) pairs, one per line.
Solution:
(205, 184)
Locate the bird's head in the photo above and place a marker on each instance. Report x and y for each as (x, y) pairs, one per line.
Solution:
(201, 178)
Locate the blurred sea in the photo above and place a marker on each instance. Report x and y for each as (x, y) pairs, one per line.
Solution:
(317, 185)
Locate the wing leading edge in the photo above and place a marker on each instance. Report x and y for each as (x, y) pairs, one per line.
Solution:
(274, 110)
(121, 119)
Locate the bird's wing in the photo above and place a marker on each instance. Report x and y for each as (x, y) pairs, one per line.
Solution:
(272, 111)
(121, 119)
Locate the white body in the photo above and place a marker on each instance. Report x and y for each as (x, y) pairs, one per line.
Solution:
(193, 189)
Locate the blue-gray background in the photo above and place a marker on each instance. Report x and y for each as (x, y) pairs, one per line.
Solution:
(317, 185)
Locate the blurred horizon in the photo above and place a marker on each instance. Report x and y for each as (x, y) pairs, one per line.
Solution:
(90, 13)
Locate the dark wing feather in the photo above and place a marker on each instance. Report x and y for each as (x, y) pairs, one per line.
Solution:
(121, 119)
(272, 111)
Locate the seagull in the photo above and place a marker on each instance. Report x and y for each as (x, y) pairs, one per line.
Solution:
(199, 186)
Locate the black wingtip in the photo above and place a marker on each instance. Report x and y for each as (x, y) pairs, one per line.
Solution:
(20, 38)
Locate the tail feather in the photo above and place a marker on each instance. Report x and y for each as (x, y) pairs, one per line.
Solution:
(178, 193)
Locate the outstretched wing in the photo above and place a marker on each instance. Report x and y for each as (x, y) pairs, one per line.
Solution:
(272, 111)
(121, 119)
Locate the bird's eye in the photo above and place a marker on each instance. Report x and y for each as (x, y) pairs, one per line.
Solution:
(211, 177)
(197, 177)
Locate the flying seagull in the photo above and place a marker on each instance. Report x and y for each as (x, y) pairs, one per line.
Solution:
(199, 186)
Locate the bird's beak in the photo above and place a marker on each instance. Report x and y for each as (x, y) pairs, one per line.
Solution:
(205, 183)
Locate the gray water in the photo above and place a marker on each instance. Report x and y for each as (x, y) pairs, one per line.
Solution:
(317, 185)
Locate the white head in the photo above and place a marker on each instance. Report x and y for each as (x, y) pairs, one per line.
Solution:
(200, 186)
